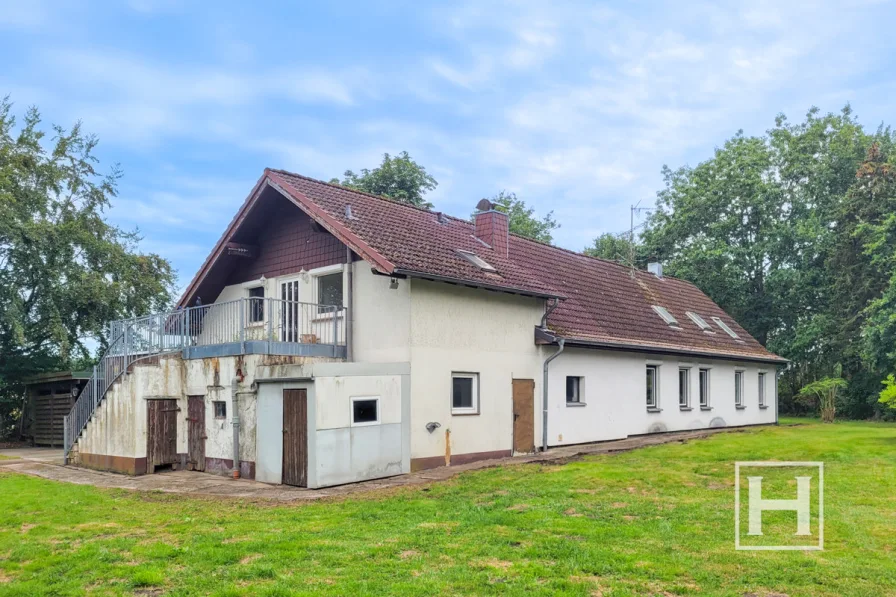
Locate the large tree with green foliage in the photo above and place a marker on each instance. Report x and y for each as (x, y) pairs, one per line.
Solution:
(65, 272)
(794, 234)
(616, 247)
(522, 219)
(399, 178)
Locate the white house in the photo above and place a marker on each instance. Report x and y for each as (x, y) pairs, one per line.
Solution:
(333, 336)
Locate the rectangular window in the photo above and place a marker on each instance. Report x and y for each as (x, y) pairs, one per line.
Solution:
(704, 388)
(256, 304)
(761, 389)
(573, 390)
(652, 392)
(329, 292)
(365, 410)
(739, 389)
(684, 387)
(464, 393)
(220, 408)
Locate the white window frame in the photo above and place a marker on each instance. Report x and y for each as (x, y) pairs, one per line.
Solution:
(700, 322)
(686, 369)
(579, 391)
(656, 386)
(739, 388)
(761, 378)
(471, 410)
(665, 315)
(352, 412)
(708, 386)
(314, 279)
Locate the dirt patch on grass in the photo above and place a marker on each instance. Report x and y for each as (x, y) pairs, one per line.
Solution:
(518, 507)
(26, 526)
(250, 558)
(407, 554)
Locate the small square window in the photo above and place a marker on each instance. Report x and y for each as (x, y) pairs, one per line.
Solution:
(652, 389)
(256, 304)
(329, 292)
(365, 410)
(465, 393)
(739, 389)
(704, 388)
(220, 408)
(573, 390)
(684, 387)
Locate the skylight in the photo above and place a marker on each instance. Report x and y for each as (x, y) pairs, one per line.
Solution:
(725, 327)
(667, 317)
(475, 260)
(701, 323)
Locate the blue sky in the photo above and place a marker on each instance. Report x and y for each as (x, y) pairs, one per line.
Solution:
(573, 106)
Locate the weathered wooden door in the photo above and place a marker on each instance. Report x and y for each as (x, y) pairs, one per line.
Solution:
(523, 416)
(161, 433)
(295, 437)
(196, 433)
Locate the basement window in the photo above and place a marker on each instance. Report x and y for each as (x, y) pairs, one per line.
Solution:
(220, 408)
(365, 410)
(701, 323)
(476, 260)
(465, 393)
(667, 317)
(725, 327)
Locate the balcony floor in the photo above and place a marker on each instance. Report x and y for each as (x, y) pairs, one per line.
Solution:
(264, 347)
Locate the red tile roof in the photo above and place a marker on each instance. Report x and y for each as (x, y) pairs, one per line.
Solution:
(601, 302)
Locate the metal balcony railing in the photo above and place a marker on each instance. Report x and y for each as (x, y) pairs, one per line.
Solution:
(245, 325)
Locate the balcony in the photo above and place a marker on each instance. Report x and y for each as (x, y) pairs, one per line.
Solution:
(243, 326)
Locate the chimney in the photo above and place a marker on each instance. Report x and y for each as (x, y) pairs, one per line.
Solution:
(655, 268)
(492, 227)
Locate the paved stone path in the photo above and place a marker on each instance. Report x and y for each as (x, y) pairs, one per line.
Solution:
(47, 463)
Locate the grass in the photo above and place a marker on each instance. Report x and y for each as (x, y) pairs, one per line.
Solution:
(655, 521)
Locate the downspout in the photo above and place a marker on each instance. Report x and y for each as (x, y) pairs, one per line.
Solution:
(349, 307)
(235, 418)
(544, 387)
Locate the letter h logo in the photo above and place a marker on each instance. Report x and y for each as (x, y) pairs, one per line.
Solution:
(801, 505)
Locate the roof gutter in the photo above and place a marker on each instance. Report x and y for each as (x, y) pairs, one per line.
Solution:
(546, 337)
(475, 284)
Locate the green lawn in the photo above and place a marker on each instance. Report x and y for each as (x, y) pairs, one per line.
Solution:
(657, 521)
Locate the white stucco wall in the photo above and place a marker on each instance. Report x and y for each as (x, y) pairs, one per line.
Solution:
(382, 319)
(614, 391)
(469, 330)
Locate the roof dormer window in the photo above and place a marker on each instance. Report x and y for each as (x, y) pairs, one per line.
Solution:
(667, 317)
(725, 327)
(476, 260)
(701, 323)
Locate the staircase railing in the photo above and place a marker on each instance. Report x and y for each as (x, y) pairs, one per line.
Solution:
(241, 320)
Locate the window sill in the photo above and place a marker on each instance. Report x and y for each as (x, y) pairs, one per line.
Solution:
(653, 409)
(740, 407)
(575, 404)
(464, 413)
(255, 324)
(685, 408)
(763, 407)
(325, 317)
(705, 408)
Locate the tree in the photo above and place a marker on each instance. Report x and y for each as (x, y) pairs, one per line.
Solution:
(615, 247)
(399, 178)
(64, 271)
(824, 394)
(888, 394)
(522, 217)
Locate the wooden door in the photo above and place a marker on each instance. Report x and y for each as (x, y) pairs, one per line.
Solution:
(295, 437)
(523, 416)
(161, 433)
(196, 433)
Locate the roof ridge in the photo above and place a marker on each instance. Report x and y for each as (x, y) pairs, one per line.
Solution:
(455, 218)
(365, 193)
